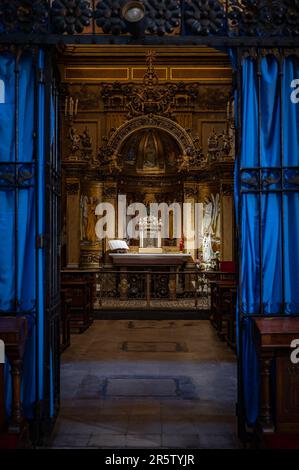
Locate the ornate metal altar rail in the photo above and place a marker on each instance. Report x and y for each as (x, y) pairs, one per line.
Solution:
(210, 22)
(154, 290)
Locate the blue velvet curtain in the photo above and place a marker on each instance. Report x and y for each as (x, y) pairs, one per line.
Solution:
(22, 215)
(269, 225)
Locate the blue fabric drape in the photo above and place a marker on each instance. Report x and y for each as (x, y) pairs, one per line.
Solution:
(268, 244)
(291, 200)
(19, 224)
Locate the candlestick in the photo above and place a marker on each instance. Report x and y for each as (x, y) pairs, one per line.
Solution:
(71, 107)
(66, 105)
(76, 106)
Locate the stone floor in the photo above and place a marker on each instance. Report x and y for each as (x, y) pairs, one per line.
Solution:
(147, 384)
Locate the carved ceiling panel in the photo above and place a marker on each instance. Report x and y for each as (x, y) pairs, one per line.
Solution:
(231, 18)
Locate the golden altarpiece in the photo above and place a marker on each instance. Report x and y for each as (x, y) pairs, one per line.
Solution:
(152, 131)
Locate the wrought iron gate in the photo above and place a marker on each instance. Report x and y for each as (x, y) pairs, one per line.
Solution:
(52, 238)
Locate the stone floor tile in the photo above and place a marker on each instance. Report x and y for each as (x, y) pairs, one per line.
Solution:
(144, 424)
(218, 441)
(107, 440)
(96, 371)
(178, 426)
(181, 441)
(71, 440)
(143, 441)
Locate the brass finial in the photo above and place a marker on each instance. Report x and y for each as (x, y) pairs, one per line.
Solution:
(151, 78)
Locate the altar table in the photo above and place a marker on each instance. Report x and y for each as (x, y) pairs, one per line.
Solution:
(172, 262)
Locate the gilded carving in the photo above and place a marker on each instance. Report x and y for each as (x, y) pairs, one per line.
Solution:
(190, 193)
(123, 287)
(87, 97)
(91, 221)
(80, 145)
(220, 146)
(90, 258)
(72, 188)
(213, 97)
(150, 97)
(110, 192)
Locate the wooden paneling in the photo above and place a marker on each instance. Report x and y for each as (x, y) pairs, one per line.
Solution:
(287, 407)
(273, 338)
(187, 74)
(205, 74)
(2, 398)
(205, 128)
(101, 74)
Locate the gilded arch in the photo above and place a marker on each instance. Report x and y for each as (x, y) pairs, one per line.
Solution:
(181, 136)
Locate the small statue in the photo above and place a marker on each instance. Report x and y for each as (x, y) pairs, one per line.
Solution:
(114, 166)
(226, 144)
(184, 163)
(123, 288)
(75, 139)
(91, 221)
(207, 249)
(86, 139)
(84, 216)
(213, 141)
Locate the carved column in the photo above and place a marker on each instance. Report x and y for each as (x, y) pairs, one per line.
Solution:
(110, 194)
(2, 398)
(227, 222)
(265, 417)
(73, 222)
(91, 249)
(190, 197)
(17, 411)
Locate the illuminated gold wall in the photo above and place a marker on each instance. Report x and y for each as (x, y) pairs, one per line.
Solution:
(83, 70)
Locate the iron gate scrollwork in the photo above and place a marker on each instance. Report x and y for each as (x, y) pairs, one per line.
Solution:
(52, 241)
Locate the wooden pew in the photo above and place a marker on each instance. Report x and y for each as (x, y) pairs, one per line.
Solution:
(81, 303)
(278, 421)
(220, 304)
(2, 399)
(231, 320)
(65, 320)
(13, 331)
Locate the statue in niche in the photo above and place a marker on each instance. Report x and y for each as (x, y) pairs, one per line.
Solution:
(216, 216)
(86, 139)
(171, 157)
(226, 144)
(207, 250)
(148, 200)
(75, 139)
(91, 221)
(131, 150)
(184, 163)
(208, 216)
(114, 166)
(213, 140)
(150, 153)
(211, 227)
(131, 156)
(84, 216)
